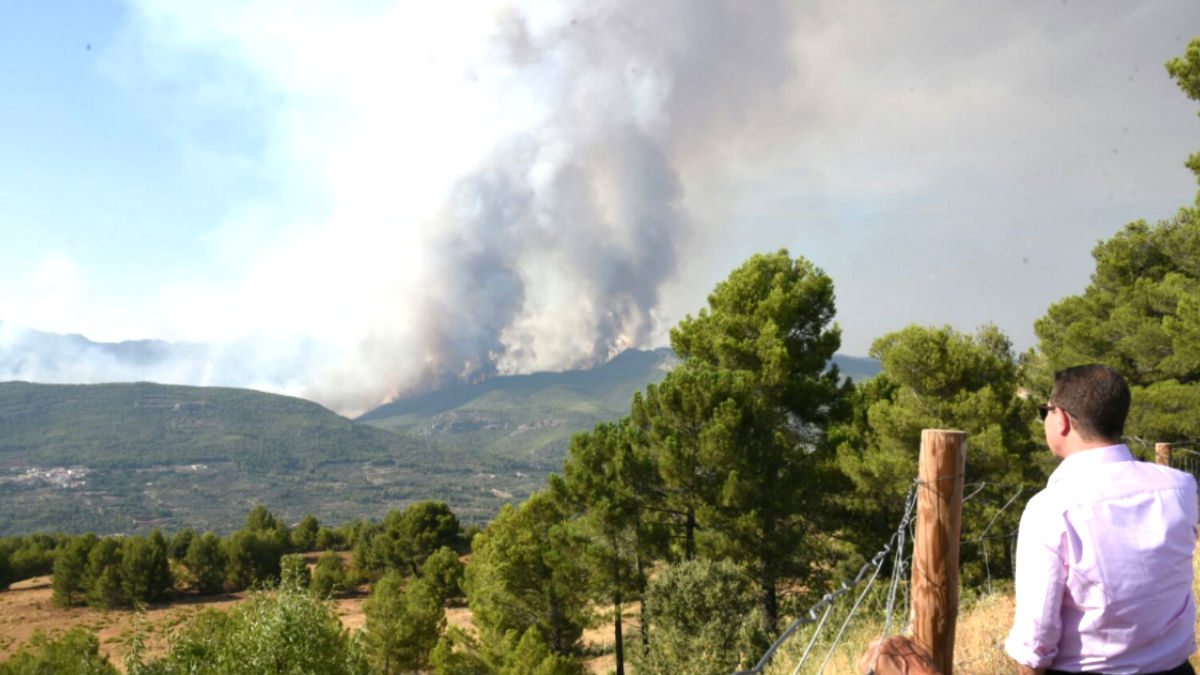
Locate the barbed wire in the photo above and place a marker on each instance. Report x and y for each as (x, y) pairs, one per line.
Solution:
(870, 571)
(898, 570)
(1191, 442)
(987, 564)
(828, 599)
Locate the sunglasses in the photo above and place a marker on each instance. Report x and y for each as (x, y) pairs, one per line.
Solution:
(1045, 408)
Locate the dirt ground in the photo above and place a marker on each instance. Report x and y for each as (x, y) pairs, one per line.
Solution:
(25, 608)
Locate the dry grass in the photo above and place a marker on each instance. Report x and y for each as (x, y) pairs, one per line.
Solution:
(26, 608)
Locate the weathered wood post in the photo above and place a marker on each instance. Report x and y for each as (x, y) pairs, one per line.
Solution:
(935, 550)
(1162, 454)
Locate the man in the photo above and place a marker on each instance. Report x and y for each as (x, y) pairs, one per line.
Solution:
(1104, 553)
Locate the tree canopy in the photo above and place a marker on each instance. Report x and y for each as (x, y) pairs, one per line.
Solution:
(768, 335)
(1140, 315)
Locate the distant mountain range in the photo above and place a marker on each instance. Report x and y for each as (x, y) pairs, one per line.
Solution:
(274, 363)
(129, 457)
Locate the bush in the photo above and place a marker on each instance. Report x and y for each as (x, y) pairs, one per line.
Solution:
(282, 631)
(702, 620)
(330, 575)
(76, 651)
(294, 571)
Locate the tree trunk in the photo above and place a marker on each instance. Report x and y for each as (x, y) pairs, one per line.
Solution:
(769, 603)
(689, 547)
(617, 634)
(644, 628)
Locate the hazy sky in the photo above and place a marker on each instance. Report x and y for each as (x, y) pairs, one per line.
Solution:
(433, 191)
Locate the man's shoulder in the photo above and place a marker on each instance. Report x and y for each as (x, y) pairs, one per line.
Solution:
(1181, 478)
(1155, 477)
(1046, 502)
(1131, 483)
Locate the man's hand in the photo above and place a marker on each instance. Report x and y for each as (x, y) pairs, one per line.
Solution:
(897, 656)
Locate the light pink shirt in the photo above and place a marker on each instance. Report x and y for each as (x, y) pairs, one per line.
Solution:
(1104, 567)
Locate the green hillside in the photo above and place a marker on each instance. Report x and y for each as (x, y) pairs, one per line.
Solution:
(143, 424)
(115, 458)
(530, 419)
(128, 457)
(526, 418)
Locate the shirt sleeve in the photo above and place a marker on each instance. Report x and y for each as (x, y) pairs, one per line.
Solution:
(1040, 580)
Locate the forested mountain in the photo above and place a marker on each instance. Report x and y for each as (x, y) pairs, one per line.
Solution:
(527, 418)
(128, 457)
(131, 456)
(531, 418)
(144, 424)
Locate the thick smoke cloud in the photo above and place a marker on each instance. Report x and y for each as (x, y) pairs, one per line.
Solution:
(440, 192)
(552, 253)
(537, 234)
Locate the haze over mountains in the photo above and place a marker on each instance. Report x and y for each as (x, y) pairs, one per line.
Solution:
(268, 364)
(127, 457)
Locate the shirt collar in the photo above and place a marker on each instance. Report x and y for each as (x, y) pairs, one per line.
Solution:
(1092, 457)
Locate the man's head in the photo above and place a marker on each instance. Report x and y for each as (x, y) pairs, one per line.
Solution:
(1095, 398)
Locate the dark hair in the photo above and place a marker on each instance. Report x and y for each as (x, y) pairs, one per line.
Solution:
(1097, 399)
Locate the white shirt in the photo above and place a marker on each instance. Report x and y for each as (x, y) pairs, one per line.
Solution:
(1104, 567)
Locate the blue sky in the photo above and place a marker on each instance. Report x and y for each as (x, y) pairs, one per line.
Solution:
(440, 192)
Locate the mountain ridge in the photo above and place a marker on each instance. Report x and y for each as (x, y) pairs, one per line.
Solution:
(127, 457)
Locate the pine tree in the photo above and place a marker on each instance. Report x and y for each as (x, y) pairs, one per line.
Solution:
(525, 572)
(206, 561)
(767, 332)
(102, 578)
(70, 566)
(403, 624)
(609, 479)
(444, 572)
(304, 536)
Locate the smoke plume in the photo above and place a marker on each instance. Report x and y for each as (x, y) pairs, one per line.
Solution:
(553, 251)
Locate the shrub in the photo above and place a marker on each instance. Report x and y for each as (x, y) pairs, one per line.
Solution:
(702, 620)
(76, 651)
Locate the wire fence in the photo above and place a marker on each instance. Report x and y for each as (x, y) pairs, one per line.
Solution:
(869, 572)
(893, 600)
(1186, 459)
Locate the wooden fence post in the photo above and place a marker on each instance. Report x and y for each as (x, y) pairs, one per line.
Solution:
(1162, 454)
(935, 551)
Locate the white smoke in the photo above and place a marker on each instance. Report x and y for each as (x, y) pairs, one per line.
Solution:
(455, 190)
(552, 253)
(459, 191)
(504, 183)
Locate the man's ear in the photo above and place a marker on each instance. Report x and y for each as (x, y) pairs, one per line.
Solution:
(1062, 423)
